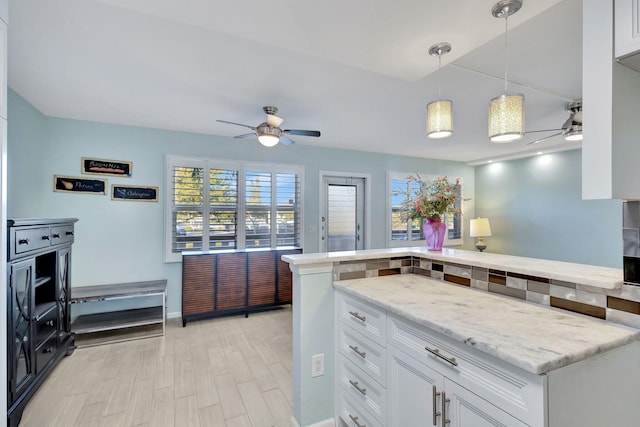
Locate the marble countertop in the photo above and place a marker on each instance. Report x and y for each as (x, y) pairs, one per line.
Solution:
(591, 275)
(535, 338)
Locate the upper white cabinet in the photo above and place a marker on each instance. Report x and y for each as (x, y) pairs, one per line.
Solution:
(627, 32)
(611, 99)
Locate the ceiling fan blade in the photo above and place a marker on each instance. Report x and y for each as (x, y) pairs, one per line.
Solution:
(285, 140)
(274, 121)
(542, 139)
(245, 135)
(237, 124)
(544, 130)
(302, 132)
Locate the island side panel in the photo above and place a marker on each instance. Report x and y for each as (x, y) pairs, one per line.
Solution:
(313, 333)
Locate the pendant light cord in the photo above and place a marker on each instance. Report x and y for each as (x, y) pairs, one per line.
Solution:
(439, 64)
(506, 46)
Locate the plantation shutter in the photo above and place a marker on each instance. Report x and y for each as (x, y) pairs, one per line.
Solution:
(187, 208)
(223, 209)
(258, 195)
(288, 209)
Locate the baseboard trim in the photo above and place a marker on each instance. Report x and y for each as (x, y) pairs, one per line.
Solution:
(174, 315)
(326, 423)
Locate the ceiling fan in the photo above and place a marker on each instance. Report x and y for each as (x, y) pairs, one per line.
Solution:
(571, 129)
(269, 132)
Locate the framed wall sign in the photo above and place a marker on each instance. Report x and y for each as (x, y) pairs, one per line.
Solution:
(72, 184)
(134, 193)
(106, 167)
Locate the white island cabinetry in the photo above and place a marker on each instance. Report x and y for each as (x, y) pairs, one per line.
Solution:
(429, 369)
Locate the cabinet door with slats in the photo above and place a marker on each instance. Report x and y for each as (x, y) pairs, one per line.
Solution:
(262, 278)
(231, 289)
(198, 279)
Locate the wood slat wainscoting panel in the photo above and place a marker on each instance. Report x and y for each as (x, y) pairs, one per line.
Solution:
(262, 278)
(231, 285)
(198, 277)
(284, 276)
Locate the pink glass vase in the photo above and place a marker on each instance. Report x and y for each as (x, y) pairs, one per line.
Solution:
(434, 231)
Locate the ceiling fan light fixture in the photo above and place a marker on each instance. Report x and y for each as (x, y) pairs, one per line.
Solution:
(575, 134)
(267, 135)
(506, 118)
(440, 112)
(440, 119)
(506, 112)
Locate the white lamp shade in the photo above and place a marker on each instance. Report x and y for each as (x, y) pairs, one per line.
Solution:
(479, 227)
(440, 119)
(268, 140)
(506, 118)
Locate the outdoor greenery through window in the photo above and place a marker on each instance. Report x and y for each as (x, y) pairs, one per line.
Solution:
(247, 205)
(409, 233)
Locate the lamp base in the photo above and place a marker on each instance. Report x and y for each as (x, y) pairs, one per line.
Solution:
(480, 244)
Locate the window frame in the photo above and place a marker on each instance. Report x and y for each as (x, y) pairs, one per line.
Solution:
(392, 176)
(241, 167)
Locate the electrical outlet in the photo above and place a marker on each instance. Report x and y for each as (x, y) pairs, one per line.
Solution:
(317, 365)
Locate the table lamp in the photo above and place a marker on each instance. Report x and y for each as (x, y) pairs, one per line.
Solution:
(480, 228)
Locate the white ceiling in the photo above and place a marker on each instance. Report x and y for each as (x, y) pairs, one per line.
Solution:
(357, 70)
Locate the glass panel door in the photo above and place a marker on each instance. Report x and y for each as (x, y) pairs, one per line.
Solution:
(343, 219)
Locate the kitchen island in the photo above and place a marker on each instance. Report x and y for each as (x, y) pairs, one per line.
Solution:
(589, 290)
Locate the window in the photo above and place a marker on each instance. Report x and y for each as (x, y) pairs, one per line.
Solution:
(247, 205)
(409, 233)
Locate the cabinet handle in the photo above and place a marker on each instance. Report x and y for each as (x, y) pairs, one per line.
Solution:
(49, 323)
(355, 420)
(56, 236)
(69, 233)
(362, 390)
(23, 241)
(362, 354)
(436, 414)
(436, 352)
(358, 316)
(445, 420)
(48, 350)
(45, 237)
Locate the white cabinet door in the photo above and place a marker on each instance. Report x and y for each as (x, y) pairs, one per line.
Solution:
(464, 409)
(413, 392)
(627, 30)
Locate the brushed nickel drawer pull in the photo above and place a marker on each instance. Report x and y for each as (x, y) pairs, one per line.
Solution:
(436, 414)
(358, 316)
(362, 354)
(362, 390)
(445, 420)
(355, 420)
(45, 237)
(436, 352)
(23, 241)
(56, 236)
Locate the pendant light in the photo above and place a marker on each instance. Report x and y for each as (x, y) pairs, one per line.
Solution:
(506, 112)
(440, 112)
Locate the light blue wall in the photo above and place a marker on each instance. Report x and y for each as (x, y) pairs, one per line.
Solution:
(124, 241)
(535, 208)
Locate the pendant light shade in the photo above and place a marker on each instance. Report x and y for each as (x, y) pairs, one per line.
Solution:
(506, 118)
(440, 112)
(506, 112)
(440, 119)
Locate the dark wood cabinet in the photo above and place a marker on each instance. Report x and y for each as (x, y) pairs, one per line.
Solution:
(38, 333)
(224, 283)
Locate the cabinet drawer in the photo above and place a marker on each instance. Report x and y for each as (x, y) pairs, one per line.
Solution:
(45, 352)
(363, 317)
(31, 239)
(352, 414)
(61, 234)
(46, 324)
(362, 388)
(512, 389)
(364, 353)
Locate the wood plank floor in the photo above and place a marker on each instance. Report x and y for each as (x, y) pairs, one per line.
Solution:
(227, 372)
